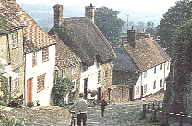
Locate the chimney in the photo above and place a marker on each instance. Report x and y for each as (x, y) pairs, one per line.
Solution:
(131, 37)
(90, 12)
(58, 15)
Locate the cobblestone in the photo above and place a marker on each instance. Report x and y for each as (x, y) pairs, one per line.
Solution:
(121, 114)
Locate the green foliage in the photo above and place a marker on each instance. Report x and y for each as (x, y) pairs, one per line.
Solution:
(109, 24)
(2, 21)
(60, 90)
(172, 19)
(7, 121)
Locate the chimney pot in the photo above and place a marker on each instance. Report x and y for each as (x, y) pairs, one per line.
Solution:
(90, 12)
(58, 15)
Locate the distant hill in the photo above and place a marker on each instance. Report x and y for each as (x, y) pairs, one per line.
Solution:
(43, 14)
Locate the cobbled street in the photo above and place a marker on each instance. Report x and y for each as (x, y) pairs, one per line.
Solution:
(122, 114)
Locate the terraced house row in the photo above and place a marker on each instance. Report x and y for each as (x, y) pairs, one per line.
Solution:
(74, 48)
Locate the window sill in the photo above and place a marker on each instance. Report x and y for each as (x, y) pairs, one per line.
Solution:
(34, 65)
(14, 47)
(46, 60)
(40, 90)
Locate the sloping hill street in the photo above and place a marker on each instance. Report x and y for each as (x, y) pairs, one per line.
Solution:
(125, 114)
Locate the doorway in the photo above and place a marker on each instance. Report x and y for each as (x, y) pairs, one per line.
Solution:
(29, 90)
(85, 87)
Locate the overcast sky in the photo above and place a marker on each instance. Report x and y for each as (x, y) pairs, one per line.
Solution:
(160, 6)
(138, 10)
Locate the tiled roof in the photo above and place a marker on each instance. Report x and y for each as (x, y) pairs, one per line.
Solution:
(34, 37)
(146, 54)
(64, 56)
(85, 39)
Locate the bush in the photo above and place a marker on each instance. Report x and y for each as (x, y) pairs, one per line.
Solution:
(60, 90)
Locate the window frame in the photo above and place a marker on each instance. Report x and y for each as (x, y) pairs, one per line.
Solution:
(45, 54)
(39, 89)
(154, 84)
(14, 39)
(155, 71)
(34, 58)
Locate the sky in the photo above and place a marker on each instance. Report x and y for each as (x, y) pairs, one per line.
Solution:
(160, 6)
(138, 10)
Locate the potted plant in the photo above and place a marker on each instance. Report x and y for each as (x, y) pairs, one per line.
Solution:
(30, 104)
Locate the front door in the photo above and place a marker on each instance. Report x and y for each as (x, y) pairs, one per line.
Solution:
(29, 90)
(85, 87)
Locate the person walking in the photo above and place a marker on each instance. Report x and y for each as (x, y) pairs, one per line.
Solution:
(80, 107)
(103, 103)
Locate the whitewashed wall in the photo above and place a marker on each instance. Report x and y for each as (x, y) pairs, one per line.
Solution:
(92, 75)
(150, 78)
(33, 72)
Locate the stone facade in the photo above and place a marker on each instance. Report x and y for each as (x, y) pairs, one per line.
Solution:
(12, 51)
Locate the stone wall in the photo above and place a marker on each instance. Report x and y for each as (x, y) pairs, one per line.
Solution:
(120, 94)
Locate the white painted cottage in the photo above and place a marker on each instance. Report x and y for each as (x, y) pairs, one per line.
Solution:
(39, 56)
(152, 62)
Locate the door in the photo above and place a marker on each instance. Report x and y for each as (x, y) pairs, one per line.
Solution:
(85, 87)
(29, 90)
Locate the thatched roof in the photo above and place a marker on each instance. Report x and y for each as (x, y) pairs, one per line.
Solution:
(84, 38)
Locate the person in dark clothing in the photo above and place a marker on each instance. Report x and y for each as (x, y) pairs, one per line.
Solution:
(103, 103)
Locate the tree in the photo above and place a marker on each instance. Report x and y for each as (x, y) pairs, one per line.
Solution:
(182, 58)
(172, 19)
(60, 90)
(107, 21)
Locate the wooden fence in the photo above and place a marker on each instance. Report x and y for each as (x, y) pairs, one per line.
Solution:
(157, 106)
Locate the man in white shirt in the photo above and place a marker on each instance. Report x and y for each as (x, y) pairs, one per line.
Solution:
(80, 106)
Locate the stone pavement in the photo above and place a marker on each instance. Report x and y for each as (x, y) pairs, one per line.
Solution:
(121, 114)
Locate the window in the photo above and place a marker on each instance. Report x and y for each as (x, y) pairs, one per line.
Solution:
(74, 84)
(168, 66)
(154, 84)
(15, 39)
(63, 73)
(74, 69)
(155, 69)
(145, 89)
(161, 66)
(34, 59)
(14, 84)
(106, 73)
(161, 82)
(137, 89)
(45, 54)
(40, 82)
(85, 68)
(99, 76)
(145, 74)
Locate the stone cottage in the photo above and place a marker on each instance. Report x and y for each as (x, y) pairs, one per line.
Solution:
(85, 39)
(37, 49)
(11, 46)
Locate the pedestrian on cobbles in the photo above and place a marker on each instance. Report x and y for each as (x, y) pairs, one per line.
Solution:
(80, 107)
(102, 103)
